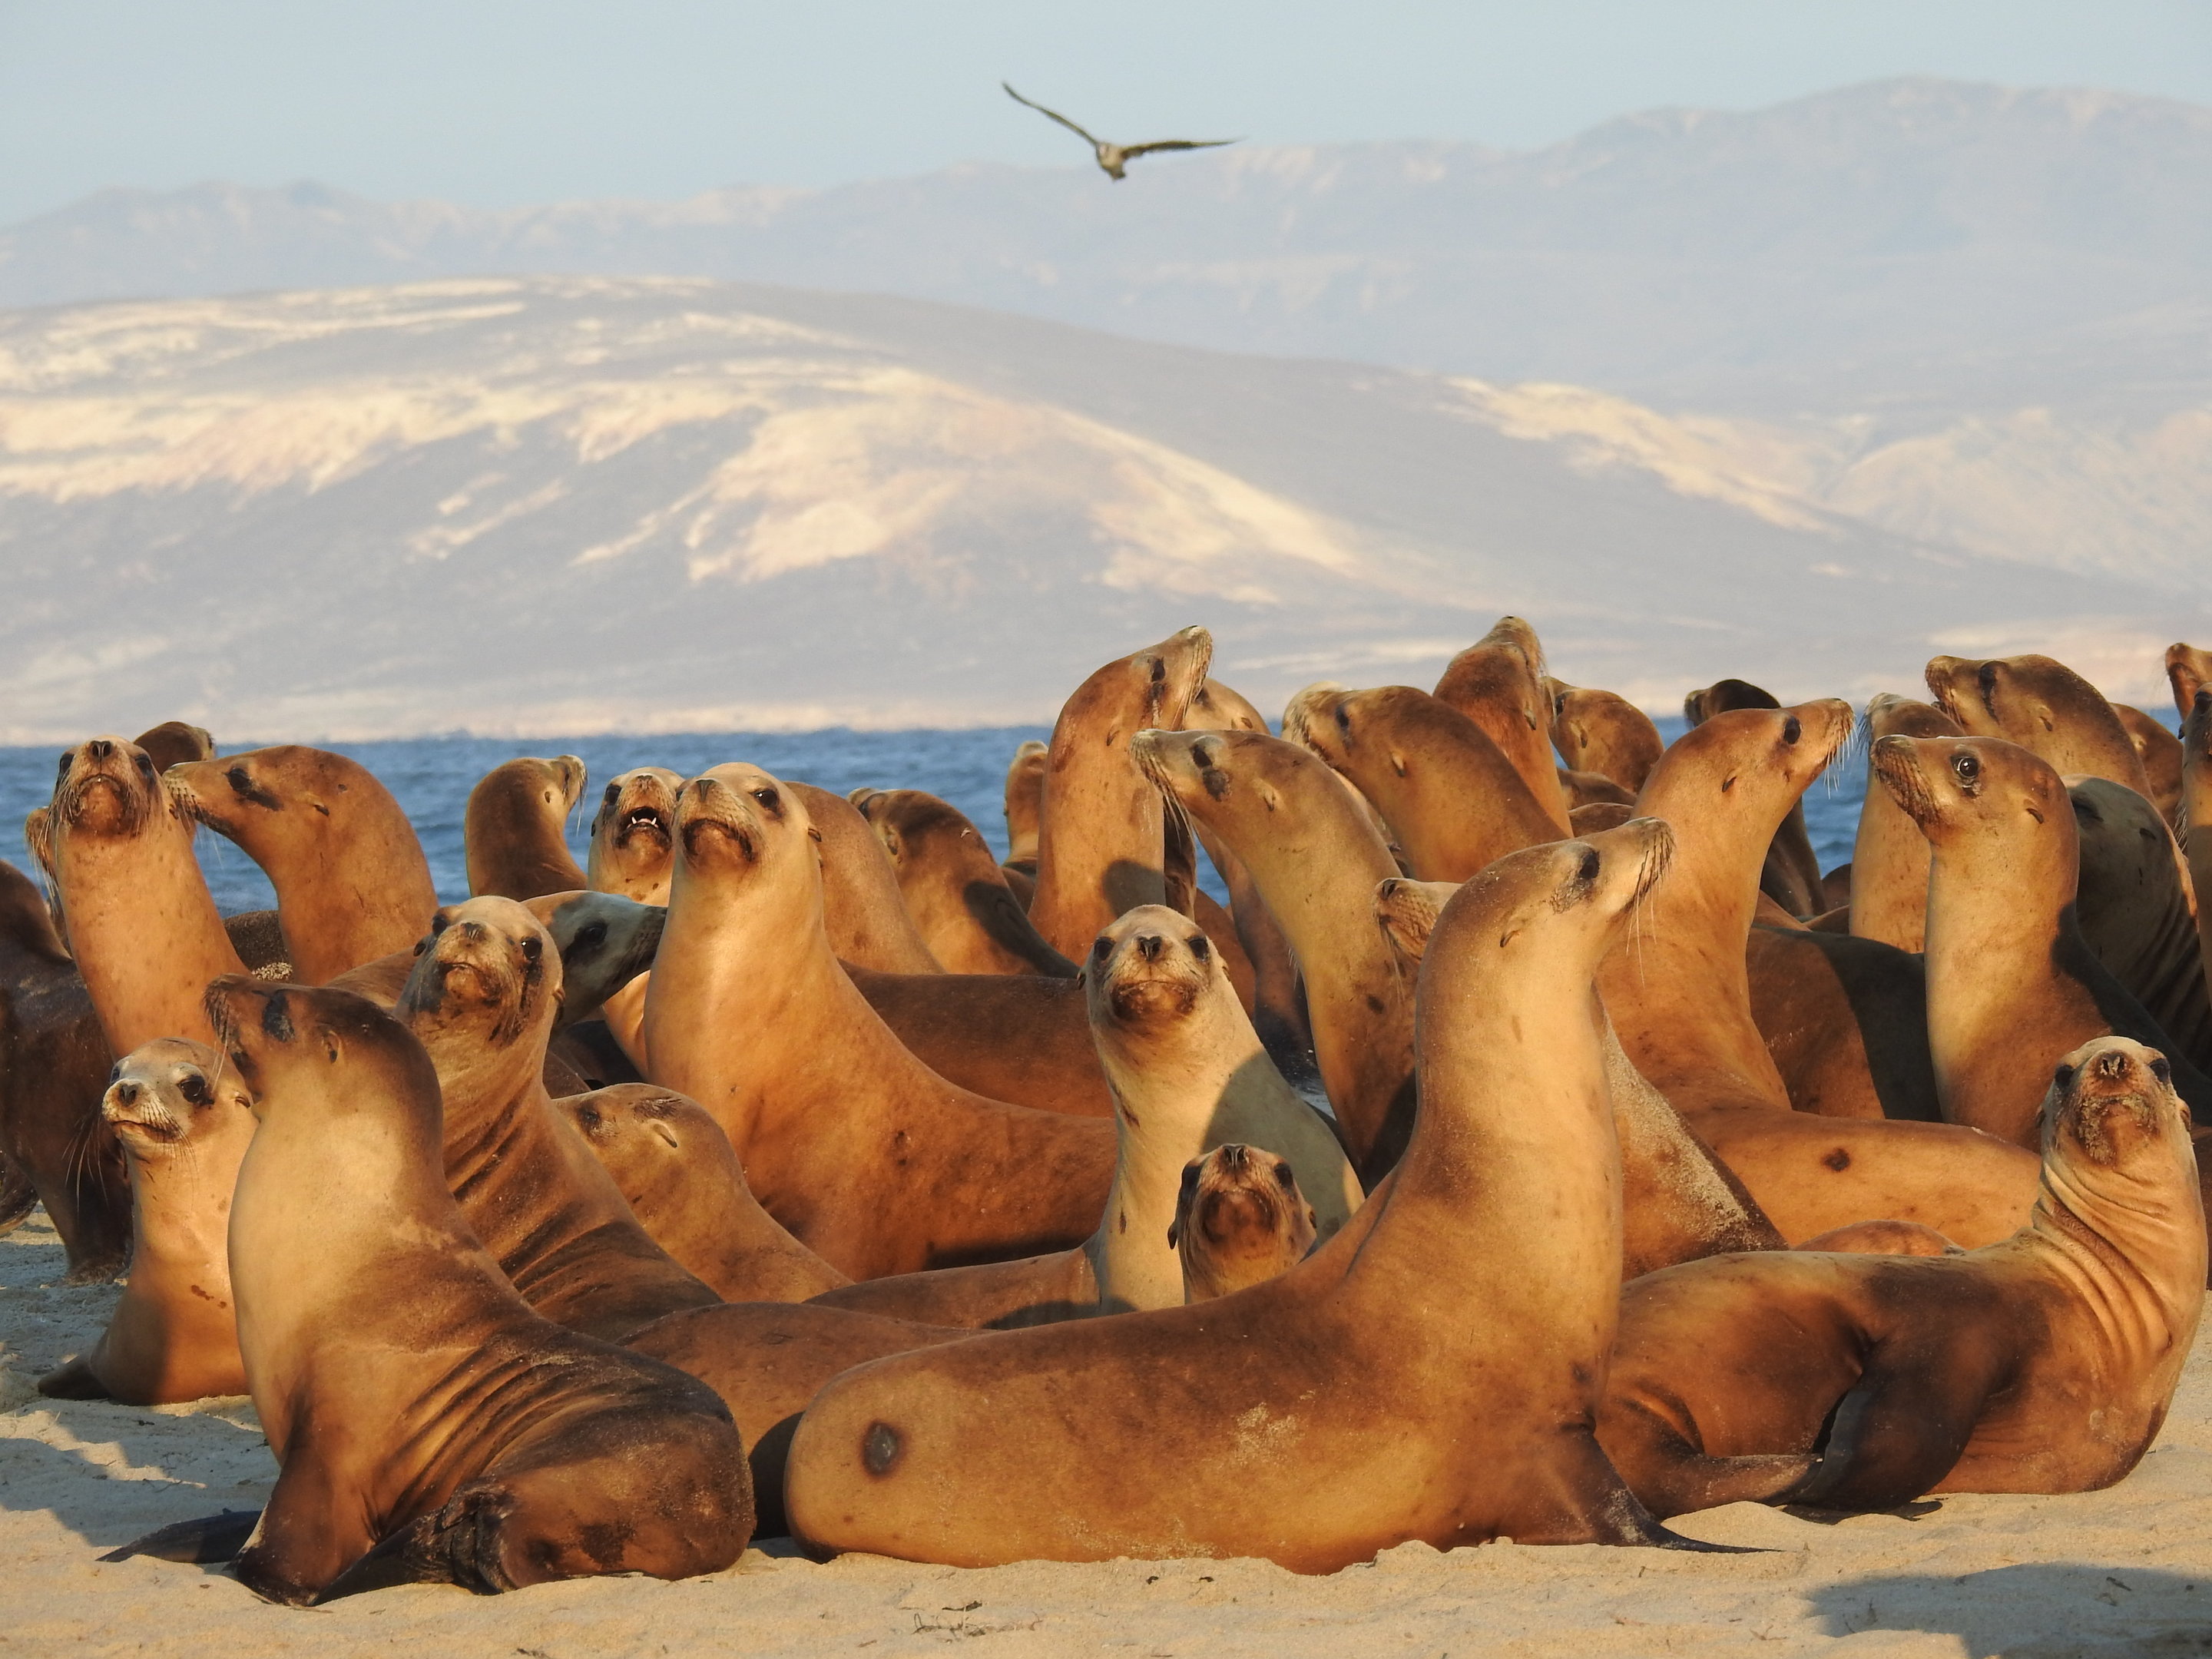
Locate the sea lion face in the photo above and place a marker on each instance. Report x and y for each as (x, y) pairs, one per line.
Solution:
(1151, 968)
(1767, 754)
(2188, 670)
(1594, 881)
(273, 1034)
(735, 821)
(1726, 697)
(244, 796)
(1888, 714)
(1505, 669)
(164, 1093)
(1217, 708)
(2111, 1105)
(1407, 910)
(1220, 774)
(1148, 687)
(604, 940)
(906, 820)
(632, 836)
(486, 963)
(1313, 718)
(106, 787)
(1239, 1219)
(2022, 698)
(1948, 785)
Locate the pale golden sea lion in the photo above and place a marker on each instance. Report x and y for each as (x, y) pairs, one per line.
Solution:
(868, 923)
(1602, 731)
(1240, 1219)
(514, 832)
(2159, 750)
(1791, 877)
(630, 855)
(1889, 857)
(2043, 1364)
(1498, 683)
(1024, 811)
(968, 916)
(2044, 707)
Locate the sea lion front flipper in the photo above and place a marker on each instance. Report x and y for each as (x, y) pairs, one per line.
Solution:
(73, 1380)
(458, 1544)
(209, 1539)
(1896, 1433)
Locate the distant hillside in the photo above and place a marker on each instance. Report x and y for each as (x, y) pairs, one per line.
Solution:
(1886, 237)
(570, 505)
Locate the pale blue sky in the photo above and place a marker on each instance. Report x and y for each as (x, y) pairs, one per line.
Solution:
(501, 102)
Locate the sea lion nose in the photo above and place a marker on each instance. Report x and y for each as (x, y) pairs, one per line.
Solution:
(1148, 946)
(2112, 1063)
(475, 933)
(126, 1094)
(99, 749)
(1233, 1156)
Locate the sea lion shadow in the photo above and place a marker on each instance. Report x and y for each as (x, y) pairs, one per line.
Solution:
(2034, 1610)
(80, 1495)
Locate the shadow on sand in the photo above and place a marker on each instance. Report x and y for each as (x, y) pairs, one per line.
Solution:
(2040, 1610)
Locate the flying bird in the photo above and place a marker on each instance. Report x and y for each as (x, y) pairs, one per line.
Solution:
(1112, 156)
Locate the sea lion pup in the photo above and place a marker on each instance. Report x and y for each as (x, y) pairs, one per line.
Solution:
(1453, 801)
(1101, 834)
(1508, 1194)
(1187, 1074)
(2011, 983)
(968, 918)
(53, 1066)
(1889, 858)
(428, 1426)
(351, 882)
(2043, 1364)
(514, 832)
(2135, 916)
(142, 925)
(1680, 997)
(682, 1180)
(2046, 707)
(1678, 1200)
(1240, 1219)
(2188, 670)
(481, 1001)
(1315, 857)
(874, 1161)
(184, 1120)
(1792, 874)
(1498, 683)
(2159, 750)
(1602, 731)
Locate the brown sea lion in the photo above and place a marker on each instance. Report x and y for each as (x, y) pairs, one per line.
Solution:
(2046, 707)
(351, 882)
(1889, 858)
(682, 1180)
(968, 918)
(174, 742)
(871, 1159)
(1602, 731)
(1188, 1073)
(184, 1120)
(629, 854)
(2188, 670)
(2159, 750)
(2043, 1364)
(1592, 789)
(1102, 834)
(1240, 1219)
(1792, 874)
(53, 1066)
(2196, 816)
(868, 923)
(2012, 985)
(1453, 802)
(481, 1000)
(1024, 813)
(514, 831)
(1508, 1192)
(428, 1425)
(1498, 683)
(2135, 916)
(1679, 994)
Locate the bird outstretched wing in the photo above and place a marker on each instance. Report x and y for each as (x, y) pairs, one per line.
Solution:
(1176, 143)
(1053, 113)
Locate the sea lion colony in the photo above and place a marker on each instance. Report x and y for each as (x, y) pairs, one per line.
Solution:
(793, 1166)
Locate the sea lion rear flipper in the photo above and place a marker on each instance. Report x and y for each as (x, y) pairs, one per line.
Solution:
(209, 1539)
(74, 1380)
(1895, 1434)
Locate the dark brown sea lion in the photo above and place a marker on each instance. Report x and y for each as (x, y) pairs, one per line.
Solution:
(2196, 816)
(1507, 1193)
(1889, 858)
(1240, 1219)
(514, 831)
(1498, 683)
(871, 1159)
(1602, 731)
(2046, 707)
(2135, 916)
(2159, 750)
(184, 1121)
(428, 1425)
(2043, 1364)
(1102, 834)
(682, 1180)
(351, 882)
(1791, 877)
(968, 916)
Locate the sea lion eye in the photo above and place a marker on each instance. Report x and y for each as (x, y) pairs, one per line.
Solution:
(239, 780)
(1284, 1177)
(766, 798)
(193, 1087)
(440, 922)
(1986, 678)
(532, 948)
(1792, 729)
(613, 793)
(68, 755)
(1588, 868)
(1200, 946)
(2064, 1076)
(1159, 670)
(590, 936)
(1966, 767)
(146, 767)
(1101, 948)
(2162, 1069)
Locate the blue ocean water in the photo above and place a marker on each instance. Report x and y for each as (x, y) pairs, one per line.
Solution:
(431, 777)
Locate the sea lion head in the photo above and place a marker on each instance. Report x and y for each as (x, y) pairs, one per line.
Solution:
(1593, 883)
(106, 787)
(651, 1138)
(1759, 759)
(1888, 714)
(245, 798)
(172, 743)
(1951, 786)
(1151, 968)
(633, 834)
(2125, 849)
(2112, 1107)
(1240, 1219)
(1210, 772)
(605, 941)
(274, 1036)
(1407, 911)
(1312, 718)
(487, 967)
(2025, 698)
(1147, 687)
(163, 1093)
(734, 820)
(2188, 670)
(1503, 670)
(909, 821)
(1602, 731)
(1725, 696)
(1216, 707)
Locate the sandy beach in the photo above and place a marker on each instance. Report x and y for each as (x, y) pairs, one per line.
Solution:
(2127, 1571)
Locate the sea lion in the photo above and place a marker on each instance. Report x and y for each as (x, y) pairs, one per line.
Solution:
(1240, 1219)
(1592, 789)
(2196, 816)
(481, 1001)
(1507, 1193)
(428, 1425)
(184, 1121)
(2188, 670)
(1679, 995)
(2011, 983)
(2043, 1364)
(1889, 858)
(1453, 800)
(629, 854)
(174, 742)
(871, 1160)
(514, 831)
(2135, 916)
(1498, 683)
(869, 925)
(1792, 874)
(968, 918)
(1884, 1238)
(53, 1066)
(2159, 750)
(1602, 731)
(1102, 834)
(2044, 707)
(1024, 813)
(1187, 1074)
(351, 882)
(682, 1180)
(142, 928)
